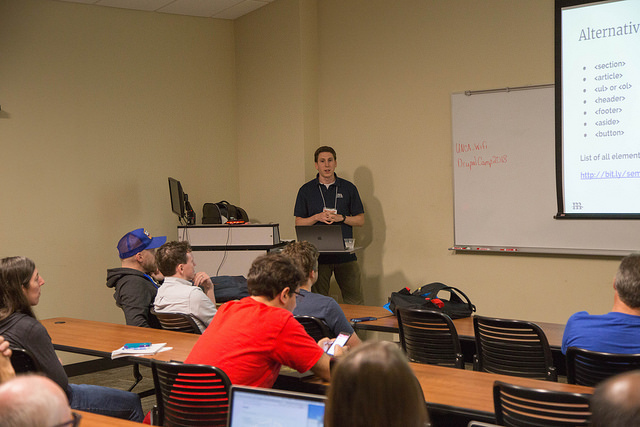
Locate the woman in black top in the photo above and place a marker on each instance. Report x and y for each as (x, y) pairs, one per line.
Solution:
(20, 284)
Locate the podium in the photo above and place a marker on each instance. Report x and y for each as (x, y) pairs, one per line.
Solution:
(229, 250)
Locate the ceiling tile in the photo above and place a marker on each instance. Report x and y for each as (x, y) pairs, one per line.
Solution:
(81, 1)
(240, 9)
(135, 4)
(198, 7)
(222, 9)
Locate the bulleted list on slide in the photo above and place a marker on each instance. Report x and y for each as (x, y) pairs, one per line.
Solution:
(601, 108)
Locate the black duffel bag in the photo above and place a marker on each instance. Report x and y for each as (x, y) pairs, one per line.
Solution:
(221, 212)
(434, 296)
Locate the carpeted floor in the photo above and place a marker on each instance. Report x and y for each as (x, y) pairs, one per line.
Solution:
(121, 378)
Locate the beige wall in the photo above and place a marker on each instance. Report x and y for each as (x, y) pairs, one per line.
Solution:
(386, 70)
(100, 105)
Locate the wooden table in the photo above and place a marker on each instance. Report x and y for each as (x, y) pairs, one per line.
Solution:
(468, 395)
(95, 420)
(100, 339)
(388, 322)
(454, 396)
(449, 392)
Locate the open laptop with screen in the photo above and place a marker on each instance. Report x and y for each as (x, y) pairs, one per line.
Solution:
(326, 238)
(253, 406)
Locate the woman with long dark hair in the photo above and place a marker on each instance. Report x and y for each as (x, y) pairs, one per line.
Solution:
(374, 386)
(20, 284)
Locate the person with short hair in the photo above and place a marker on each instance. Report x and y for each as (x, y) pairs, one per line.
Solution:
(617, 331)
(374, 386)
(133, 283)
(616, 401)
(252, 338)
(328, 199)
(184, 290)
(34, 401)
(311, 304)
(20, 289)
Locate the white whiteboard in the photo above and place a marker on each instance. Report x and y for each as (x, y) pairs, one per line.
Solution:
(504, 180)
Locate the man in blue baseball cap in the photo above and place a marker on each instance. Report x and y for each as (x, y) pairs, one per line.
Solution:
(135, 289)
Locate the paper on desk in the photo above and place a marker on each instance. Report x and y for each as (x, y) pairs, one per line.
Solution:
(122, 352)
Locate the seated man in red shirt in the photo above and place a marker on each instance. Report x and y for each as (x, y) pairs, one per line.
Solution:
(250, 339)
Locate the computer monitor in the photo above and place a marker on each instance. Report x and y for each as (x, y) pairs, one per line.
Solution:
(177, 198)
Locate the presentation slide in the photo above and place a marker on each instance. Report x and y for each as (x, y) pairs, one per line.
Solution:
(600, 107)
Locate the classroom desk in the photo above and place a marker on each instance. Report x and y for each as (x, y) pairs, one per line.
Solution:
(95, 420)
(448, 392)
(100, 338)
(466, 395)
(454, 396)
(387, 322)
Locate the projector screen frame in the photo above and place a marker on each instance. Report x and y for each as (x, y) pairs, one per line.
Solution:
(562, 213)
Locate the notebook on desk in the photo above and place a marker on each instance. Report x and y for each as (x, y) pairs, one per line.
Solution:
(326, 238)
(252, 406)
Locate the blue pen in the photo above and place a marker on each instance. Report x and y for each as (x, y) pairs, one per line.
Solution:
(137, 345)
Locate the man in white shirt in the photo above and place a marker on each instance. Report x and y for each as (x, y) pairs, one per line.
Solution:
(184, 290)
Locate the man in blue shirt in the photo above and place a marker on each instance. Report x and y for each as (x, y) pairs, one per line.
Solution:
(305, 255)
(328, 199)
(617, 331)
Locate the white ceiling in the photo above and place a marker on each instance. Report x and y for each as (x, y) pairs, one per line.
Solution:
(222, 9)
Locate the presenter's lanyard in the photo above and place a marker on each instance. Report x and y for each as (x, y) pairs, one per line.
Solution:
(324, 203)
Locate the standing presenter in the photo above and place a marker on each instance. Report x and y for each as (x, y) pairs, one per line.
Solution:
(328, 199)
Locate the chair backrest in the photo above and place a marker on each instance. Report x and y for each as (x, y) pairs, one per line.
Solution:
(177, 322)
(512, 347)
(585, 367)
(190, 395)
(23, 361)
(429, 336)
(315, 327)
(523, 406)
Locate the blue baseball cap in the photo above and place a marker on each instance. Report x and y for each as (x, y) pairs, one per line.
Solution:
(137, 241)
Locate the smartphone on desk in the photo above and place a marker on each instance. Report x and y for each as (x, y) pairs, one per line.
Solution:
(341, 340)
(363, 319)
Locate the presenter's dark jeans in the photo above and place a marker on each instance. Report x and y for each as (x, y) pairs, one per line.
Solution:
(348, 278)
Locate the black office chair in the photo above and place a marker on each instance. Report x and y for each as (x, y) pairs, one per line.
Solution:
(585, 367)
(315, 327)
(481, 424)
(179, 322)
(523, 406)
(429, 336)
(23, 361)
(190, 395)
(512, 347)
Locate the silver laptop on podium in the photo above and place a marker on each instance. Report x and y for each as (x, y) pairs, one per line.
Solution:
(326, 238)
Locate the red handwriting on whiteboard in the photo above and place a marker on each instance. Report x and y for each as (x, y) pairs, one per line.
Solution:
(479, 161)
(465, 148)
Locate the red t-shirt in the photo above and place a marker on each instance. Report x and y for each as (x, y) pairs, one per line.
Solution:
(250, 340)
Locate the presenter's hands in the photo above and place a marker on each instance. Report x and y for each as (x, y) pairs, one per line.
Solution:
(326, 217)
(202, 279)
